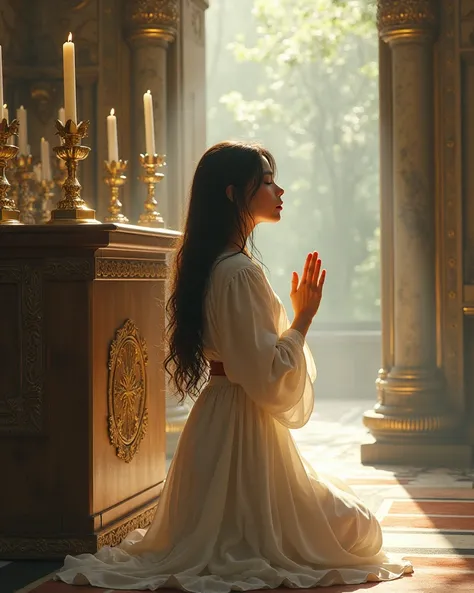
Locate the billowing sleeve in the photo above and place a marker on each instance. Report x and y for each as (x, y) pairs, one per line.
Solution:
(259, 352)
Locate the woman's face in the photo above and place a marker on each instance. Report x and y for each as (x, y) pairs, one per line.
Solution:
(266, 204)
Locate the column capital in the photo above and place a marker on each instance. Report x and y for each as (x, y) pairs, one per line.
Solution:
(407, 19)
(151, 20)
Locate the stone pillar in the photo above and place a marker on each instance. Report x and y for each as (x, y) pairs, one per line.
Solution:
(187, 142)
(411, 415)
(187, 106)
(150, 26)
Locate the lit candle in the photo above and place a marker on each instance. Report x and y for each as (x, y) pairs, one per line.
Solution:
(22, 132)
(45, 161)
(112, 136)
(1, 76)
(69, 70)
(149, 123)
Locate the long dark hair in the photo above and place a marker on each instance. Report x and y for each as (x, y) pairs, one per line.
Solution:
(213, 220)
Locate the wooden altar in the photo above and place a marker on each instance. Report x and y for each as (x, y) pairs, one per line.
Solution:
(82, 388)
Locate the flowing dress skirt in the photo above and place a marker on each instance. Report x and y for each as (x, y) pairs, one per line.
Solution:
(242, 511)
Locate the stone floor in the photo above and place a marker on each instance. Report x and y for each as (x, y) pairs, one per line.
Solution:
(426, 513)
(331, 443)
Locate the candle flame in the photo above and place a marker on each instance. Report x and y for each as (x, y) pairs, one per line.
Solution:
(69, 37)
(112, 111)
(5, 106)
(148, 92)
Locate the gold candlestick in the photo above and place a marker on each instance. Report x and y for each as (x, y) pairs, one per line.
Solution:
(115, 180)
(9, 214)
(72, 209)
(47, 194)
(26, 198)
(151, 217)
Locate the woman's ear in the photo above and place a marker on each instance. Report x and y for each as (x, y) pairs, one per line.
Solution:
(230, 190)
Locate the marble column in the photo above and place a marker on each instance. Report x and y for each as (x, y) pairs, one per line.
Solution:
(411, 416)
(187, 106)
(150, 27)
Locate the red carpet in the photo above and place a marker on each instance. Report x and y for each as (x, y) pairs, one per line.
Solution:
(432, 527)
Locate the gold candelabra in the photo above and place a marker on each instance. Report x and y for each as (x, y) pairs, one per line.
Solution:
(9, 214)
(47, 194)
(115, 179)
(151, 217)
(72, 209)
(24, 175)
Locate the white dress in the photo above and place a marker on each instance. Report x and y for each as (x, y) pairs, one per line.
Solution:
(240, 509)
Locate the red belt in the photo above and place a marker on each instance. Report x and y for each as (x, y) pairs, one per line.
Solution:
(217, 368)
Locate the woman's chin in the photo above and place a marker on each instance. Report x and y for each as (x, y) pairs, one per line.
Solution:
(276, 217)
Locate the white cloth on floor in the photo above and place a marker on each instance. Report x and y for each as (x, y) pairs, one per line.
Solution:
(240, 509)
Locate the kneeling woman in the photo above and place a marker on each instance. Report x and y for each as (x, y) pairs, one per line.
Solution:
(240, 509)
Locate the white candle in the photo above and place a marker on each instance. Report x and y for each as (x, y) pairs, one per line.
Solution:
(149, 123)
(23, 132)
(69, 70)
(112, 140)
(45, 160)
(1, 76)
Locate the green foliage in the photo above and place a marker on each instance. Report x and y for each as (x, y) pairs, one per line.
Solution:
(302, 79)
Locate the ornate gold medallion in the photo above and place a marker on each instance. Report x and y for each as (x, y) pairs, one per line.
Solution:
(127, 394)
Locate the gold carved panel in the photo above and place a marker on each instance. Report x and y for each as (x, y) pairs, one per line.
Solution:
(152, 19)
(116, 535)
(406, 18)
(127, 391)
(58, 547)
(112, 269)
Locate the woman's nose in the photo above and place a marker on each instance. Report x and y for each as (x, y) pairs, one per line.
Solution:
(280, 191)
